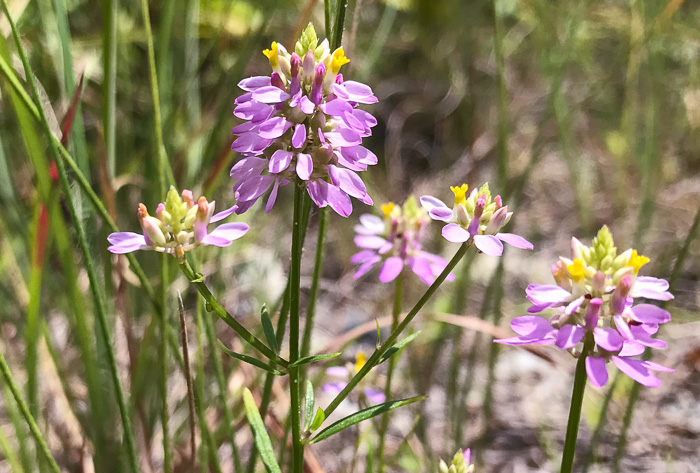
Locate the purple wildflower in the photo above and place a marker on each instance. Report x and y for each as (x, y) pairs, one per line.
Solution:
(302, 123)
(476, 219)
(594, 294)
(180, 225)
(345, 373)
(395, 241)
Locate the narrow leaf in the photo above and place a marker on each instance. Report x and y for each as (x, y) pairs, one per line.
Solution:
(250, 360)
(311, 359)
(364, 414)
(379, 337)
(269, 330)
(308, 405)
(318, 419)
(262, 440)
(398, 346)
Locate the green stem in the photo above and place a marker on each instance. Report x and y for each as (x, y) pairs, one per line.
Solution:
(328, 18)
(213, 305)
(294, 289)
(109, 86)
(396, 311)
(567, 461)
(82, 241)
(339, 23)
(9, 380)
(163, 378)
(393, 337)
(315, 282)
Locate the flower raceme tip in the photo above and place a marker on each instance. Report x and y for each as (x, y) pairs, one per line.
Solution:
(594, 294)
(302, 124)
(180, 225)
(395, 242)
(477, 219)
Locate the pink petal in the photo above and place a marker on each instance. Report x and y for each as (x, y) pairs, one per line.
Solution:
(272, 197)
(305, 166)
(126, 242)
(436, 208)
(636, 370)
(270, 94)
(454, 233)
(390, 269)
(279, 161)
(651, 288)
(532, 326)
(299, 136)
(371, 242)
(488, 244)
(274, 128)
(596, 370)
(608, 339)
(649, 314)
(362, 256)
(223, 235)
(252, 83)
(515, 240)
(569, 335)
(343, 137)
(366, 266)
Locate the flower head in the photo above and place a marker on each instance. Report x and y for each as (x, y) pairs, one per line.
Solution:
(343, 374)
(302, 123)
(395, 242)
(477, 218)
(461, 463)
(180, 225)
(594, 295)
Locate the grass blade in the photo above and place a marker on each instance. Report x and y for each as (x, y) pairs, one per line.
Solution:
(262, 439)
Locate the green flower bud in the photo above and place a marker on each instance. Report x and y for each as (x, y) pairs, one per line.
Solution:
(307, 42)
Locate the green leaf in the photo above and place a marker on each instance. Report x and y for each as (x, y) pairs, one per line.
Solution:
(269, 330)
(311, 359)
(262, 440)
(364, 414)
(318, 419)
(398, 346)
(308, 405)
(379, 337)
(250, 360)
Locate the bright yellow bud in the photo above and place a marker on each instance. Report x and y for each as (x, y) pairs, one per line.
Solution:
(387, 208)
(272, 55)
(460, 193)
(577, 270)
(637, 261)
(338, 60)
(360, 360)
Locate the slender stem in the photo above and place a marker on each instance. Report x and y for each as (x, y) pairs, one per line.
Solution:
(567, 461)
(502, 147)
(41, 443)
(294, 288)
(188, 380)
(109, 86)
(102, 322)
(215, 306)
(339, 23)
(393, 337)
(315, 282)
(328, 18)
(595, 438)
(165, 371)
(396, 311)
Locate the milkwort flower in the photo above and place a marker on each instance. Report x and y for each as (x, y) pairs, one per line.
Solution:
(594, 293)
(180, 225)
(477, 219)
(302, 122)
(344, 373)
(395, 241)
(461, 463)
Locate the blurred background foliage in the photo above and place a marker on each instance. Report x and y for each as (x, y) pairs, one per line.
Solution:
(578, 113)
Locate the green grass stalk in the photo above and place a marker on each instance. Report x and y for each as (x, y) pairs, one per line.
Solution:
(94, 284)
(315, 282)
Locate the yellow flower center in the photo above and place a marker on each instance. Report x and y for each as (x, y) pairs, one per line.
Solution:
(272, 55)
(338, 60)
(360, 360)
(387, 208)
(460, 193)
(637, 261)
(577, 270)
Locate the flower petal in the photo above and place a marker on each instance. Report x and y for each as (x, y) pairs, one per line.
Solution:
(372, 242)
(608, 339)
(390, 269)
(437, 210)
(279, 161)
(362, 256)
(454, 233)
(223, 235)
(305, 166)
(597, 371)
(270, 94)
(126, 242)
(488, 244)
(299, 136)
(569, 335)
(651, 288)
(515, 240)
(649, 314)
(636, 370)
(274, 128)
(532, 326)
(366, 266)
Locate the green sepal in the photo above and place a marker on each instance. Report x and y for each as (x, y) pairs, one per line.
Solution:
(308, 406)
